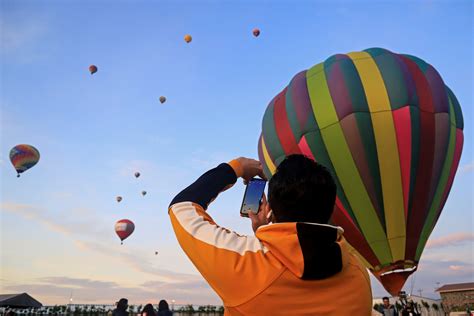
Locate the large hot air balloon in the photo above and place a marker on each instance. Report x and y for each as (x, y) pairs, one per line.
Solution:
(92, 69)
(391, 133)
(23, 157)
(256, 32)
(124, 228)
(188, 38)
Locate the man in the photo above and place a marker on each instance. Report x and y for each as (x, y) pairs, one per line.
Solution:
(121, 309)
(387, 309)
(296, 265)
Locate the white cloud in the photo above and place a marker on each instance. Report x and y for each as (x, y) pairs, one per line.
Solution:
(57, 290)
(202, 160)
(67, 225)
(20, 36)
(450, 240)
(467, 167)
(183, 287)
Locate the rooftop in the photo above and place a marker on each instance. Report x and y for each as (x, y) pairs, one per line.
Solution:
(456, 287)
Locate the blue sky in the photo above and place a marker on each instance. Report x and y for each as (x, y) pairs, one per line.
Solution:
(95, 131)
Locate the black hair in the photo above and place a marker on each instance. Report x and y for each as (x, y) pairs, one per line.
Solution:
(163, 306)
(385, 298)
(149, 310)
(301, 190)
(122, 304)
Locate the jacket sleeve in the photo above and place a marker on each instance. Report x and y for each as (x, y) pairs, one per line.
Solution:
(237, 267)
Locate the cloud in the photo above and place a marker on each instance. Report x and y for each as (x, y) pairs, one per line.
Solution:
(21, 35)
(183, 287)
(431, 272)
(467, 167)
(202, 160)
(85, 224)
(456, 268)
(78, 283)
(57, 289)
(450, 240)
(137, 260)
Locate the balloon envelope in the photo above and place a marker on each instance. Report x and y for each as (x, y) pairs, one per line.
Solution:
(143, 193)
(256, 32)
(137, 174)
(188, 38)
(390, 132)
(119, 199)
(23, 157)
(92, 69)
(162, 99)
(124, 228)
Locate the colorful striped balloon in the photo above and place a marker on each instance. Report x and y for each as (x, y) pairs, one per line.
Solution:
(391, 133)
(23, 157)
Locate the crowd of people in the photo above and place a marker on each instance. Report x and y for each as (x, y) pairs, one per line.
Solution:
(408, 308)
(148, 310)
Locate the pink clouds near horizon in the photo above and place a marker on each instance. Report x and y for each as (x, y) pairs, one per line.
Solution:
(450, 240)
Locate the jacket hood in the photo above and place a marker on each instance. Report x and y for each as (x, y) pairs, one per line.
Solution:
(310, 251)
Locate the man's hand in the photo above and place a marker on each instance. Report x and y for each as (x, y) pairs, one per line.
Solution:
(263, 217)
(250, 168)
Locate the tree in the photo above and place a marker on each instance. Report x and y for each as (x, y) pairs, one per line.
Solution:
(212, 309)
(399, 306)
(220, 310)
(435, 306)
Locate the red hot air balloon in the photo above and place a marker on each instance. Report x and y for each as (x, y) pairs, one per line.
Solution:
(23, 157)
(256, 32)
(92, 69)
(390, 132)
(124, 228)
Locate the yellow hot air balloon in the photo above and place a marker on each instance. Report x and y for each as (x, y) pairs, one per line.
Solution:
(188, 38)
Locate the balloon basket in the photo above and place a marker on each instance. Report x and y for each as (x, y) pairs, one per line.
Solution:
(393, 277)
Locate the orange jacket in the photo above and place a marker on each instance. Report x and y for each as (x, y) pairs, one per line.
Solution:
(285, 269)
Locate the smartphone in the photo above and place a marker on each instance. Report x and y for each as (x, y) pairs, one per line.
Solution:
(252, 197)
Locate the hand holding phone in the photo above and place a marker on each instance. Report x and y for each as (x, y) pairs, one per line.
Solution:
(252, 197)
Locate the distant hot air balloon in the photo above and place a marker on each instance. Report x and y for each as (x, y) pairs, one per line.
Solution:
(188, 38)
(256, 32)
(137, 174)
(23, 157)
(391, 133)
(143, 193)
(118, 198)
(92, 69)
(124, 228)
(162, 99)
(156, 252)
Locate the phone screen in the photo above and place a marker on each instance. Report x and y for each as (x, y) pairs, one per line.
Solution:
(253, 195)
